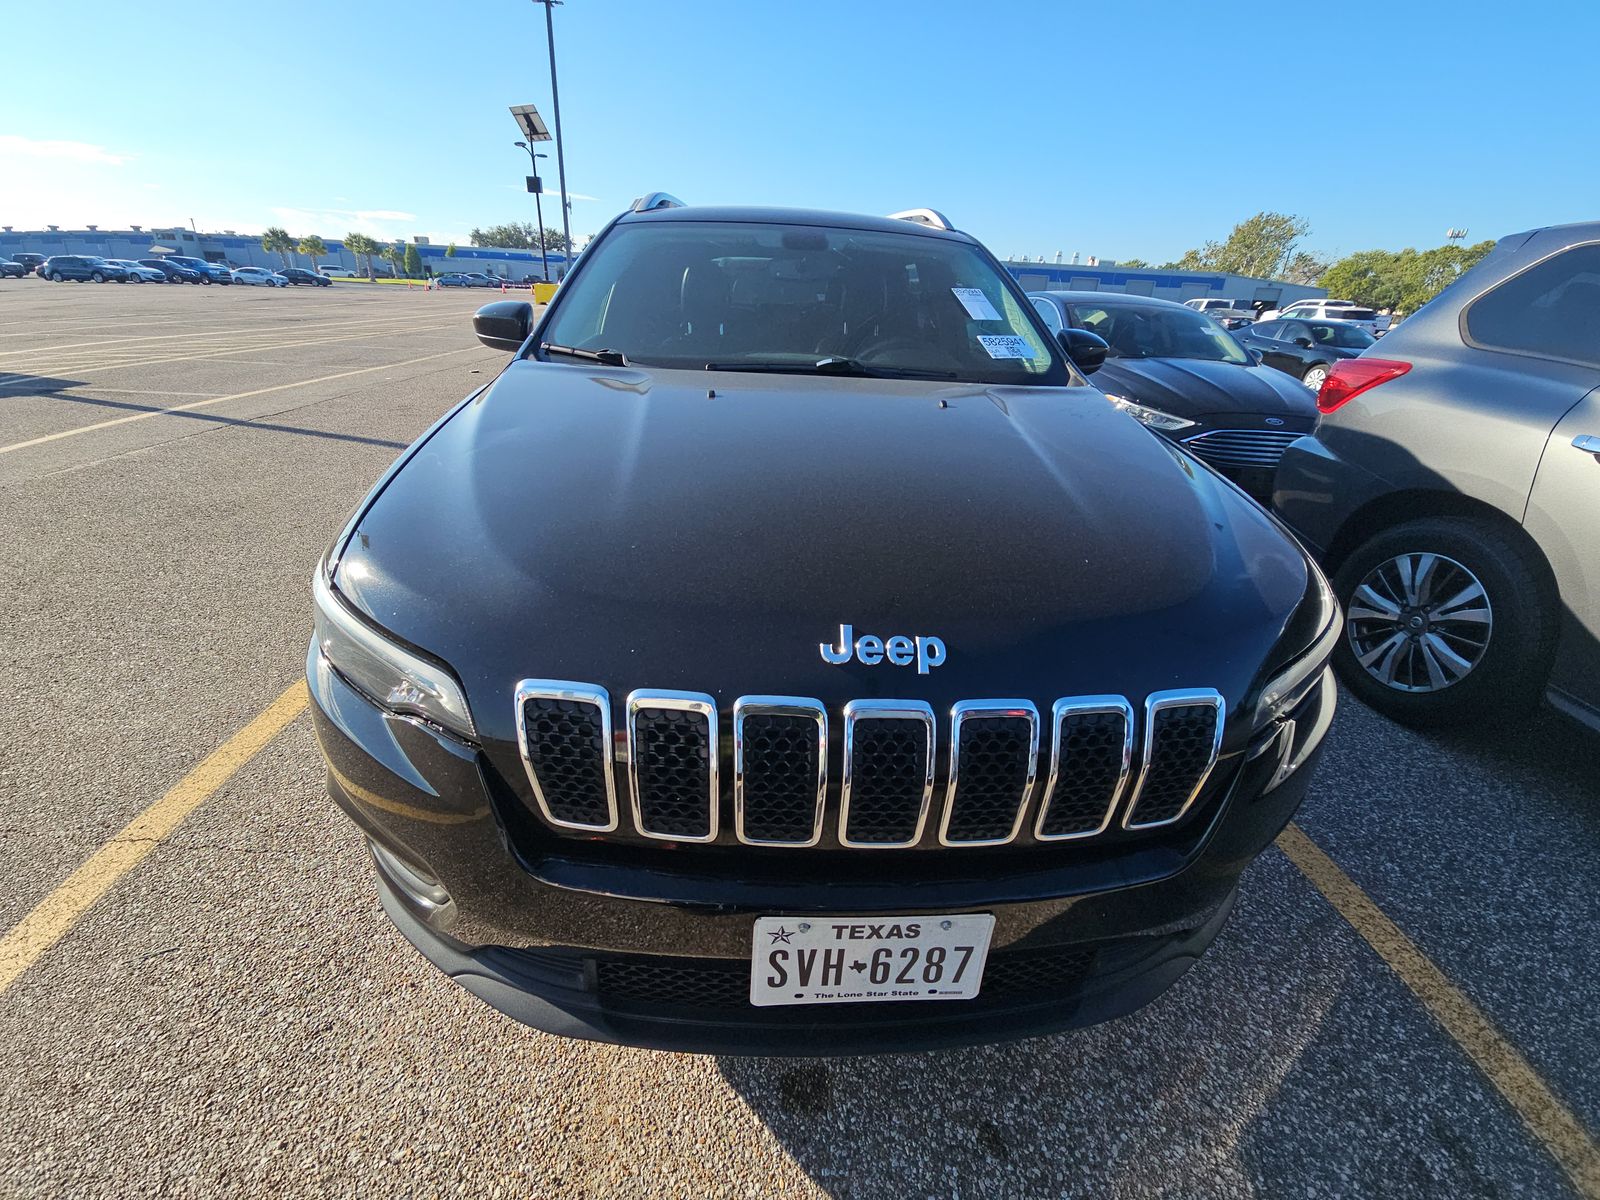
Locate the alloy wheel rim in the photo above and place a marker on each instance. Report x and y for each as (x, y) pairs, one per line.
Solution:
(1419, 622)
(1314, 378)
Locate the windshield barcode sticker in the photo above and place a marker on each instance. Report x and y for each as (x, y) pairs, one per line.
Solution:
(976, 304)
(1005, 345)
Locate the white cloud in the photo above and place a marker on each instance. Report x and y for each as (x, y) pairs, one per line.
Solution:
(14, 145)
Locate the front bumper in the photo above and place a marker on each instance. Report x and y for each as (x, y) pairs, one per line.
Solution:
(629, 950)
(1316, 492)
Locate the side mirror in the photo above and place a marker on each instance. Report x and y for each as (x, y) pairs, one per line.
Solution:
(1086, 350)
(1256, 357)
(503, 325)
(1303, 343)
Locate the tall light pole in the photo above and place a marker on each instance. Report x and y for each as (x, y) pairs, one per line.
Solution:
(538, 207)
(561, 160)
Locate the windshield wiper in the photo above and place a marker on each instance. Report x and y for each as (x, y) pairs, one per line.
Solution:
(832, 365)
(612, 358)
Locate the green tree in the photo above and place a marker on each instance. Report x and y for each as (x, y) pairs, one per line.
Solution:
(1400, 280)
(395, 256)
(360, 245)
(1264, 246)
(450, 250)
(313, 248)
(518, 235)
(1133, 264)
(413, 261)
(277, 241)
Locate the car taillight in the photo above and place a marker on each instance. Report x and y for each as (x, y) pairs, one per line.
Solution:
(1348, 379)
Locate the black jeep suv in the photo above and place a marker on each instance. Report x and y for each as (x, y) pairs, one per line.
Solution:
(790, 652)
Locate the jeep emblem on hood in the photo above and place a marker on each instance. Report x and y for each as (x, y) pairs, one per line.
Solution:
(870, 650)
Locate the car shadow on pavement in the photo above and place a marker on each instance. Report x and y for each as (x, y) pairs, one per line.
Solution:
(22, 386)
(210, 418)
(1284, 1063)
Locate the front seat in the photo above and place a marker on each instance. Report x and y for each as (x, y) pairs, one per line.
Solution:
(704, 296)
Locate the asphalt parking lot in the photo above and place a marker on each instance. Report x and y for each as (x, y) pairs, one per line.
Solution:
(210, 1002)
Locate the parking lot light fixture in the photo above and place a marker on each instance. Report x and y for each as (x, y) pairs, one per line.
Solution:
(538, 206)
(561, 159)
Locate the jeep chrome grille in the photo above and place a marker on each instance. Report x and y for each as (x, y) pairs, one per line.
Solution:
(1242, 447)
(1096, 758)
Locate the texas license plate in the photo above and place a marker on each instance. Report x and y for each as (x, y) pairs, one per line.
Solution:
(853, 960)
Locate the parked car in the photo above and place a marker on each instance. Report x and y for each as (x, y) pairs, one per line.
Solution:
(755, 471)
(138, 272)
(82, 268)
(1176, 371)
(453, 279)
(1374, 322)
(29, 260)
(1231, 314)
(299, 275)
(1305, 349)
(12, 269)
(210, 272)
(172, 272)
(258, 277)
(1453, 486)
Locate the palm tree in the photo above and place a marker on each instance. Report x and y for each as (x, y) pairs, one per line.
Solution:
(313, 248)
(278, 240)
(360, 245)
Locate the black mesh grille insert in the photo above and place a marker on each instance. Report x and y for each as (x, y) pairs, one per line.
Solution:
(991, 773)
(568, 754)
(780, 777)
(1182, 738)
(723, 984)
(888, 773)
(1088, 765)
(672, 762)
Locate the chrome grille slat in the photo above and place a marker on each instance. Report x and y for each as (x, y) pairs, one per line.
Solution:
(672, 765)
(994, 759)
(571, 737)
(1091, 757)
(885, 744)
(780, 770)
(1242, 447)
(1182, 739)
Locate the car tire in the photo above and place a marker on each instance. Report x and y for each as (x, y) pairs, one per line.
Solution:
(1506, 635)
(54, 276)
(206, 279)
(97, 276)
(1314, 376)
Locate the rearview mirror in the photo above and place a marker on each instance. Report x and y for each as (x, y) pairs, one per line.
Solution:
(503, 325)
(1086, 350)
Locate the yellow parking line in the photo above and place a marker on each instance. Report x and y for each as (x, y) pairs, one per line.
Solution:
(58, 912)
(1550, 1121)
(178, 408)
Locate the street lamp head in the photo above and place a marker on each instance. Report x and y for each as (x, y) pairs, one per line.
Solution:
(520, 145)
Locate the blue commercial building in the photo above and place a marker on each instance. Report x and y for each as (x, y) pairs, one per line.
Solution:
(1161, 283)
(242, 250)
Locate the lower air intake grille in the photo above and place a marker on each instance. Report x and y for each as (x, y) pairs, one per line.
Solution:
(672, 756)
(565, 753)
(888, 778)
(1182, 734)
(1242, 447)
(993, 768)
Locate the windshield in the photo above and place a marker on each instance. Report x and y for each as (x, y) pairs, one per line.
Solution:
(758, 296)
(1148, 331)
(1348, 337)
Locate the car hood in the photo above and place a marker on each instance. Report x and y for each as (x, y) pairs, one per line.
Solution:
(709, 532)
(1190, 387)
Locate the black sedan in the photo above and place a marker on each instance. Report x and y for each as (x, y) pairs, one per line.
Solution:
(1184, 376)
(175, 272)
(1305, 349)
(299, 275)
(12, 269)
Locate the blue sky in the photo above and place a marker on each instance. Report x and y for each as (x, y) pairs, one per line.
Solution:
(1120, 129)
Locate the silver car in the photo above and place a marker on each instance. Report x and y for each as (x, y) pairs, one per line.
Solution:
(1452, 486)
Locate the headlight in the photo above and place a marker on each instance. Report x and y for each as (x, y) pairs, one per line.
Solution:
(1153, 417)
(389, 675)
(1285, 690)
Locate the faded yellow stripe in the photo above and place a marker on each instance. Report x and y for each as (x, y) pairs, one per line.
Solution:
(1561, 1133)
(54, 916)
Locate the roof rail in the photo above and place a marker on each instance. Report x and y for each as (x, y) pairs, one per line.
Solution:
(654, 200)
(923, 216)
